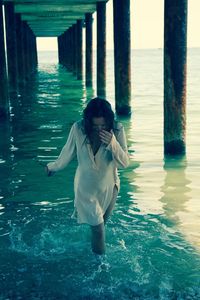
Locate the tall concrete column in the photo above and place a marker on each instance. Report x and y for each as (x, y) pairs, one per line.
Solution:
(29, 56)
(61, 48)
(70, 48)
(20, 51)
(122, 56)
(26, 50)
(101, 49)
(89, 50)
(4, 103)
(33, 50)
(30, 49)
(79, 54)
(59, 42)
(67, 49)
(11, 43)
(74, 48)
(175, 64)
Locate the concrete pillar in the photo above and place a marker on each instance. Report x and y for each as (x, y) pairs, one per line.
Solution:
(70, 48)
(101, 49)
(59, 38)
(11, 43)
(175, 56)
(79, 54)
(31, 51)
(29, 62)
(74, 49)
(67, 50)
(20, 51)
(61, 48)
(35, 50)
(4, 103)
(26, 50)
(89, 50)
(122, 56)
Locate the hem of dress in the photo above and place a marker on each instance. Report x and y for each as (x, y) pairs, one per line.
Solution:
(86, 223)
(75, 217)
(75, 212)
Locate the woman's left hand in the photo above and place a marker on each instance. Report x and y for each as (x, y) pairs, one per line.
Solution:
(105, 136)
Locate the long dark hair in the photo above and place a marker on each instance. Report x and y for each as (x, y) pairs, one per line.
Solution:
(96, 108)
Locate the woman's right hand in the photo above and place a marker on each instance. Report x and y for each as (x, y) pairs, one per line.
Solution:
(49, 173)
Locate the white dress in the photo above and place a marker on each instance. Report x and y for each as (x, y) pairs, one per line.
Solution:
(96, 175)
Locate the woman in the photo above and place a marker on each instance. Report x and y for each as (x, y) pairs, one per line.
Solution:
(99, 143)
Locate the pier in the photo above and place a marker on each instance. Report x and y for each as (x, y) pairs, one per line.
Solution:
(26, 20)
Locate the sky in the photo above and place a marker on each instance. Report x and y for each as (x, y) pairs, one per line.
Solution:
(147, 25)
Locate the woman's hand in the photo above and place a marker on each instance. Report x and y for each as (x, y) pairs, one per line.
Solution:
(49, 173)
(106, 136)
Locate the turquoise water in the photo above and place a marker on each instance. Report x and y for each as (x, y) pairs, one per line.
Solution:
(153, 238)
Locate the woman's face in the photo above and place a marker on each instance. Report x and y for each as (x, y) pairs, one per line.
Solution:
(99, 124)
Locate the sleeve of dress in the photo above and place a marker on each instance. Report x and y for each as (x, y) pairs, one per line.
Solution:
(66, 155)
(118, 147)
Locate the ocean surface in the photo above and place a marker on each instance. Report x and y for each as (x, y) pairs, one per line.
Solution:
(153, 236)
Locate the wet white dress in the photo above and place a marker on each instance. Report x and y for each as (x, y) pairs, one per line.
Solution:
(96, 175)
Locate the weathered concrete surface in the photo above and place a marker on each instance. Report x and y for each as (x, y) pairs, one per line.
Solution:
(89, 50)
(175, 56)
(122, 52)
(79, 54)
(101, 49)
(20, 51)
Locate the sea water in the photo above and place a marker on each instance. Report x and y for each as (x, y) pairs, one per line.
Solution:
(153, 236)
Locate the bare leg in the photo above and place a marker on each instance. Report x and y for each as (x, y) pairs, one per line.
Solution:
(98, 232)
(111, 206)
(98, 239)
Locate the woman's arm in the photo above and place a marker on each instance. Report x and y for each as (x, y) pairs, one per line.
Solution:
(117, 145)
(66, 155)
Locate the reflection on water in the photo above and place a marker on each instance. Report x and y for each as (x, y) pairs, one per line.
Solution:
(175, 188)
(176, 199)
(153, 235)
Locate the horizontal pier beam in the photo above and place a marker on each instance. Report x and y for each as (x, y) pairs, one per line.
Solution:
(50, 17)
(35, 8)
(59, 2)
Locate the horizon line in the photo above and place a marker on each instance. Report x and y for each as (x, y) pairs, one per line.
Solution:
(155, 48)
